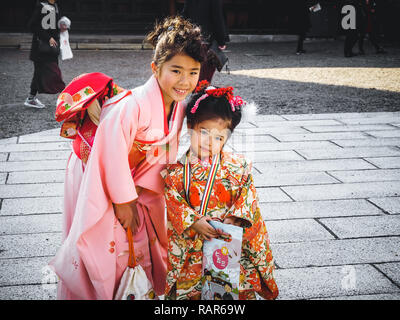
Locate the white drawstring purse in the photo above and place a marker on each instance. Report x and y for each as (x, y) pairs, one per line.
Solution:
(134, 283)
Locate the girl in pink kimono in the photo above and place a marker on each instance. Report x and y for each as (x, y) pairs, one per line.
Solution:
(120, 184)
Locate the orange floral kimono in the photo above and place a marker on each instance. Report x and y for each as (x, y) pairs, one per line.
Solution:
(233, 194)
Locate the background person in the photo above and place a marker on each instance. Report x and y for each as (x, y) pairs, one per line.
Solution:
(47, 76)
(208, 14)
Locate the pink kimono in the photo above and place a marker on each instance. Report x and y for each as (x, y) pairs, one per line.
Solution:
(133, 143)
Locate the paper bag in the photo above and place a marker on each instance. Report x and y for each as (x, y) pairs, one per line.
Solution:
(221, 264)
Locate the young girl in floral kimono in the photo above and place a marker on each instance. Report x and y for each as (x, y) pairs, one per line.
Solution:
(212, 115)
(119, 184)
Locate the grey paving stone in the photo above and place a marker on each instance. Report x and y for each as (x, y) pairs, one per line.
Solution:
(281, 146)
(320, 136)
(297, 123)
(245, 125)
(318, 209)
(315, 165)
(326, 282)
(263, 130)
(31, 190)
(3, 156)
(357, 227)
(29, 245)
(367, 175)
(337, 252)
(348, 128)
(272, 195)
(390, 205)
(30, 224)
(382, 296)
(392, 270)
(26, 206)
(30, 292)
(344, 191)
(296, 231)
(50, 132)
(273, 156)
(32, 165)
(36, 176)
(374, 120)
(39, 155)
(385, 134)
(347, 153)
(370, 142)
(3, 177)
(239, 138)
(385, 162)
(41, 138)
(26, 271)
(267, 117)
(292, 179)
(11, 140)
(21, 147)
(343, 115)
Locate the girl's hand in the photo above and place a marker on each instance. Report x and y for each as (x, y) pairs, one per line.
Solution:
(205, 229)
(127, 215)
(52, 42)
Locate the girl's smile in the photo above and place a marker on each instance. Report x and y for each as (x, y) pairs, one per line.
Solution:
(177, 77)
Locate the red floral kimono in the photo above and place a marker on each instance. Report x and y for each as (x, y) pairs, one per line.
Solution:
(233, 194)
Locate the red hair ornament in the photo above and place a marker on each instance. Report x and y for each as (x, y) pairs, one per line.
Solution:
(234, 101)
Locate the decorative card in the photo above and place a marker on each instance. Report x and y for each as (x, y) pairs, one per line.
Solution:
(221, 267)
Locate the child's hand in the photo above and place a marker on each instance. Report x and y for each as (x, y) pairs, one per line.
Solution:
(205, 229)
(127, 215)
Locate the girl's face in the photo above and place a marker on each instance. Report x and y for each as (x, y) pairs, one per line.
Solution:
(177, 77)
(208, 137)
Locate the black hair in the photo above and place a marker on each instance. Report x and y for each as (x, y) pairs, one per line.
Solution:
(212, 108)
(175, 35)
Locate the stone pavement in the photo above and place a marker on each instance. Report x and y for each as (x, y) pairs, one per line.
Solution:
(329, 187)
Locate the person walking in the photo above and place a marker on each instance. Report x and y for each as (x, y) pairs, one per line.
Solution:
(351, 34)
(299, 21)
(369, 25)
(44, 52)
(208, 14)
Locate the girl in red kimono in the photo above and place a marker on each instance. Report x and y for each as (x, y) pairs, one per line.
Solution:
(113, 179)
(212, 115)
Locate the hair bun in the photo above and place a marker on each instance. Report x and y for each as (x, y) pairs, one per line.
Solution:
(174, 35)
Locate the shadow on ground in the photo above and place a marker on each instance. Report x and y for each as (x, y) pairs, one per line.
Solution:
(274, 95)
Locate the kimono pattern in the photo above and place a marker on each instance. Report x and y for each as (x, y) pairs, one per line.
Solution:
(233, 194)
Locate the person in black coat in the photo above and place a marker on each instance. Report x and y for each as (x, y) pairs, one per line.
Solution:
(47, 76)
(368, 25)
(352, 34)
(299, 22)
(208, 14)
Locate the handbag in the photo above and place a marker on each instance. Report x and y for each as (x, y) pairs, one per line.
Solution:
(217, 56)
(44, 47)
(134, 284)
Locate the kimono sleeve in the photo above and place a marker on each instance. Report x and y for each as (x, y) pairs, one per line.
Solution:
(114, 138)
(179, 212)
(246, 199)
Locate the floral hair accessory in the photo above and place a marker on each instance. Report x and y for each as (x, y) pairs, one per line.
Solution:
(201, 85)
(234, 101)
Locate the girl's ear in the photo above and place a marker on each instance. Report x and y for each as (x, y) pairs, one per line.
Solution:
(154, 68)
